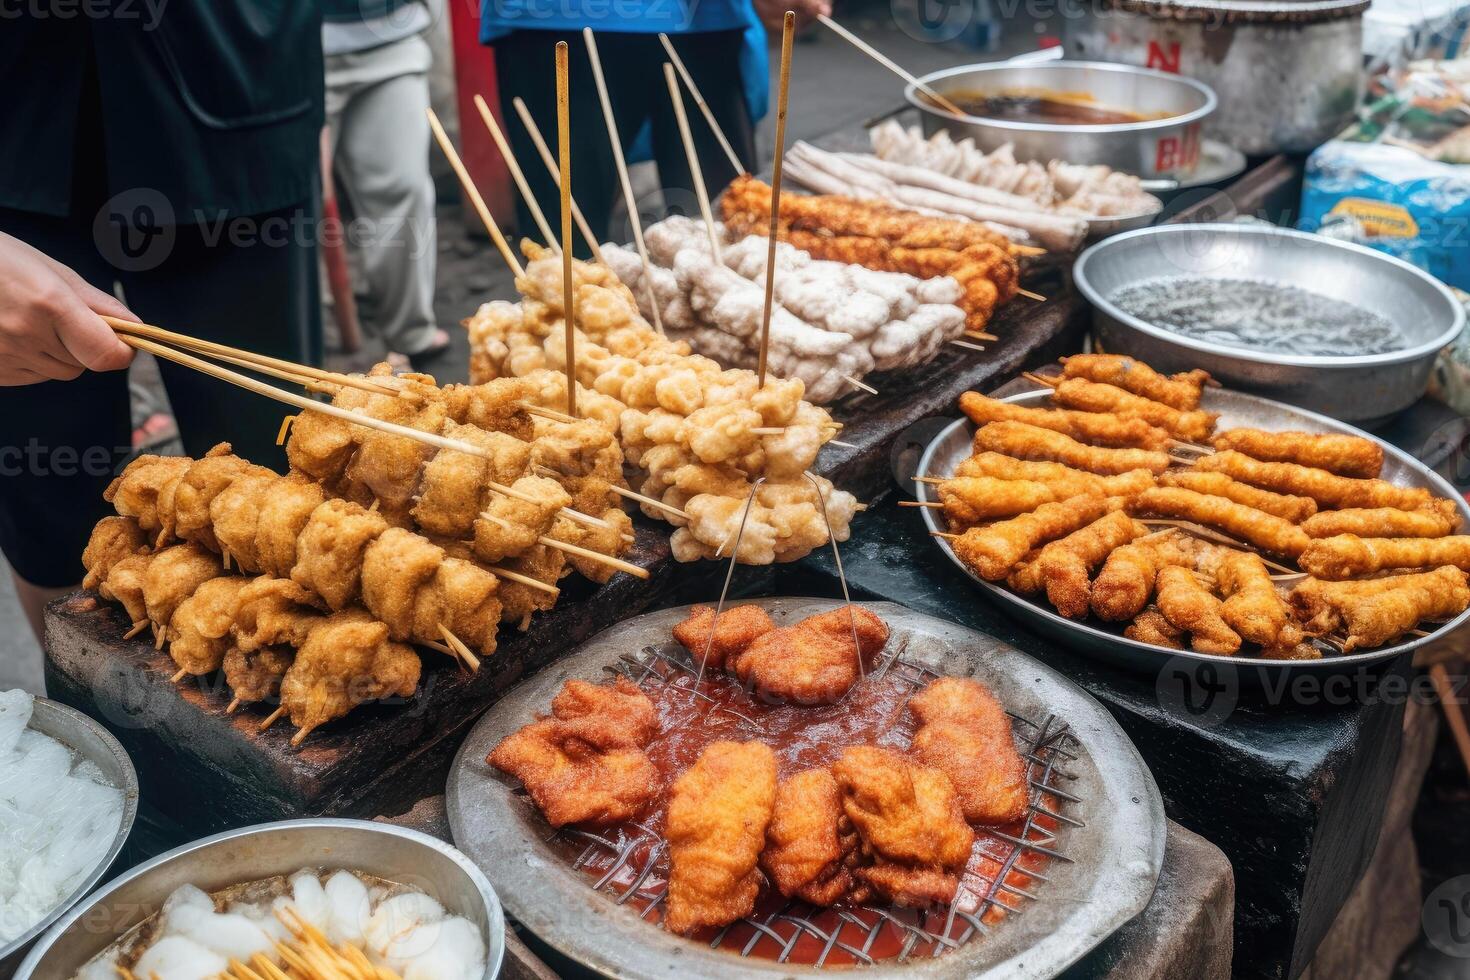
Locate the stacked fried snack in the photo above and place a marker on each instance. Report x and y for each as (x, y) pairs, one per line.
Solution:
(885, 238)
(875, 823)
(1055, 501)
(701, 436)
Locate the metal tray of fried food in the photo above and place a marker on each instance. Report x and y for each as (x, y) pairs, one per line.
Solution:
(1112, 844)
(1103, 642)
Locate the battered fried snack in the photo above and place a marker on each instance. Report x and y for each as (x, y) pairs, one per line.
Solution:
(124, 585)
(347, 660)
(1328, 489)
(330, 548)
(256, 675)
(1440, 518)
(1341, 454)
(810, 843)
(965, 733)
(1181, 391)
(1189, 606)
(813, 662)
(1265, 531)
(1287, 507)
(112, 540)
(172, 576)
(1151, 626)
(616, 716)
(1348, 556)
(1089, 396)
(970, 500)
(1099, 429)
(1031, 443)
(1064, 481)
(199, 633)
(285, 507)
(198, 487)
(993, 552)
(137, 492)
(1252, 606)
(1126, 582)
(735, 630)
(1064, 567)
(1299, 651)
(1326, 606)
(716, 828)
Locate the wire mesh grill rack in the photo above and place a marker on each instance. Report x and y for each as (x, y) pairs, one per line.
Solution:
(635, 867)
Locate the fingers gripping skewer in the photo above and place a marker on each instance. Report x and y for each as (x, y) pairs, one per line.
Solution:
(564, 158)
(700, 191)
(788, 32)
(704, 108)
(473, 193)
(516, 174)
(544, 153)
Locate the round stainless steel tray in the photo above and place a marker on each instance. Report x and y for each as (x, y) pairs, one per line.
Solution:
(1116, 848)
(953, 444)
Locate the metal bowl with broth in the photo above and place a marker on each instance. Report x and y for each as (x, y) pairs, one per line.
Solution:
(1381, 355)
(1136, 120)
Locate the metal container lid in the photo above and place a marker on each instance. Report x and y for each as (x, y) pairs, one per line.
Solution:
(1227, 12)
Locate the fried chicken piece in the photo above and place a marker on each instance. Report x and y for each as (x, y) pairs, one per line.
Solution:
(285, 507)
(1031, 443)
(137, 490)
(1348, 556)
(394, 567)
(1253, 607)
(1344, 455)
(606, 716)
(716, 828)
(112, 540)
(1328, 489)
(1064, 567)
(1064, 481)
(992, 552)
(320, 445)
(330, 550)
(910, 821)
(274, 612)
(234, 515)
(124, 584)
(1181, 391)
(815, 661)
(1379, 610)
(1190, 607)
(496, 406)
(347, 660)
(173, 575)
(1089, 396)
(199, 632)
(518, 601)
(198, 487)
(810, 840)
(734, 631)
(1439, 519)
(965, 733)
(1285, 506)
(1096, 428)
(1266, 531)
(1151, 626)
(1126, 582)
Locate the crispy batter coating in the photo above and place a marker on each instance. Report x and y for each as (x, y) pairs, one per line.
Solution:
(234, 515)
(519, 601)
(273, 612)
(813, 662)
(112, 540)
(1442, 517)
(1299, 651)
(387, 466)
(173, 575)
(321, 445)
(965, 733)
(1150, 626)
(1089, 396)
(394, 567)
(810, 840)
(1265, 531)
(199, 633)
(1064, 567)
(1328, 489)
(1348, 556)
(1031, 443)
(1381, 610)
(1285, 506)
(971, 500)
(1189, 606)
(1181, 391)
(257, 675)
(497, 406)
(992, 552)
(716, 828)
(1253, 607)
(124, 584)
(1126, 582)
(464, 598)
(1317, 601)
(285, 508)
(1064, 481)
(734, 631)
(329, 551)
(137, 490)
(347, 660)
(606, 716)
(1344, 455)
(508, 525)
(1096, 428)
(198, 487)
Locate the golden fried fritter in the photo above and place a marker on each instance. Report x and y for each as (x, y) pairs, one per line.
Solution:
(519, 601)
(1181, 391)
(287, 505)
(199, 633)
(1064, 567)
(1379, 610)
(124, 584)
(201, 483)
(571, 781)
(1347, 555)
(810, 840)
(1328, 489)
(394, 567)
(1288, 507)
(256, 675)
(464, 598)
(736, 629)
(1126, 582)
(965, 733)
(234, 515)
(135, 492)
(993, 552)
(1344, 455)
(321, 445)
(1253, 607)
(1151, 626)
(1088, 396)
(1256, 527)
(607, 716)
(1028, 442)
(329, 551)
(1442, 517)
(508, 525)
(716, 828)
(347, 660)
(173, 575)
(112, 540)
(274, 612)
(813, 662)
(1096, 428)
(1190, 607)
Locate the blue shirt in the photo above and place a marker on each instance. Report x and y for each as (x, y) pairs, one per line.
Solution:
(500, 17)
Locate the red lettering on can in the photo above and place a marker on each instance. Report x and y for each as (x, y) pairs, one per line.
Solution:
(1164, 58)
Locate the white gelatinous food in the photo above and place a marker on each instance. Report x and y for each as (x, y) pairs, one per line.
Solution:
(58, 817)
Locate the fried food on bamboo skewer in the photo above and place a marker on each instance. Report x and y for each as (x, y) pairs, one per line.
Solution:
(1252, 606)
(1181, 391)
(1328, 489)
(970, 500)
(1265, 531)
(1347, 555)
(1344, 455)
(1064, 567)
(1064, 481)
(112, 540)
(1151, 626)
(1031, 443)
(1435, 521)
(1375, 617)
(1287, 507)
(1125, 584)
(1190, 607)
(1089, 396)
(1100, 429)
(993, 551)
(1318, 602)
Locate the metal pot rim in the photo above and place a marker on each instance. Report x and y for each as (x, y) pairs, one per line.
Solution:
(910, 93)
(1457, 310)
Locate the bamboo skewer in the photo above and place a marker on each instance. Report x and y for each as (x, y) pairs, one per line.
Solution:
(788, 32)
(888, 63)
(233, 706)
(544, 152)
(516, 174)
(700, 191)
(981, 335)
(576, 549)
(1030, 295)
(564, 159)
(622, 165)
(179, 675)
(461, 650)
(931, 504)
(137, 628)
(858, 384)
(272, 718)
(473, 193)
(704, 108)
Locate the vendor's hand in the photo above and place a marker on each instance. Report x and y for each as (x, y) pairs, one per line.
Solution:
(49, 325)
(771, 12)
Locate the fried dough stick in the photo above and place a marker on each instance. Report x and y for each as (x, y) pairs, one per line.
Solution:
(1373, 619)
(1284, 506)
(1031, 443)
(1126, 582)
(1435, 521)
(1151, 626)
(1089, 396)
(1181, 391)
(1319, 603)
(1099, 429)
(1349, 556)
(1253, 607)
(1064, 567)
(992, 552)
(1336, 453)
(1064, 481)
(1328, 489)
(1265, 531)
(976, 499)
(1189, 606)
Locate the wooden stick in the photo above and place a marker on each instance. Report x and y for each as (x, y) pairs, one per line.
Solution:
(233, 706)
(788, 32)
(461, 652)
(158, 637)
(967, 345)
(138, 627)
(503, 145)
(860, 384)
(271, 719)
(704, 108)
(549, 413)
(180, 675)
(1038, 379)
(1454, 713)
(526, 580)
(944, 534)
(1027, 250)
(1192, 446)
(980, 335)
(1030, 295)
(839, 442)
(701, 192)
(543, 151)
(921, 503)
(473, 193)
(609, 560)
(628, 200)
(886, 62)
(564, 160)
